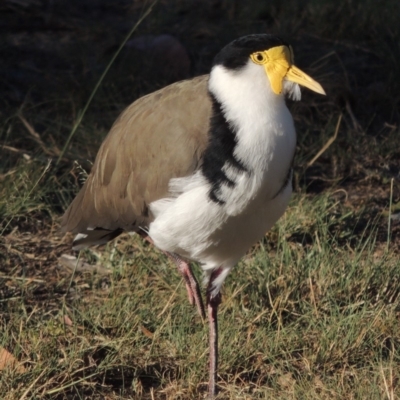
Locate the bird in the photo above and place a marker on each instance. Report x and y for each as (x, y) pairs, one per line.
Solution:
(201, 168)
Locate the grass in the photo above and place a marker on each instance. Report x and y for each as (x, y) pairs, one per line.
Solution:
(313, 311)
(317, 320)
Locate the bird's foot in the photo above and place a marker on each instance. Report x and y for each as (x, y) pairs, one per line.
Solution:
(192, 286)
(191, 283)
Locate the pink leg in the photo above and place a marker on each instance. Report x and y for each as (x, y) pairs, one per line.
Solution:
(192, 286)
(212, 309)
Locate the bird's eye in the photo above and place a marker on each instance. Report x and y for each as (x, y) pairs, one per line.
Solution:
(259, 58)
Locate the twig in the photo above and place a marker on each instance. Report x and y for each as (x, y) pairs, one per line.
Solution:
(35, 135)
(12, 149)
(327, 144)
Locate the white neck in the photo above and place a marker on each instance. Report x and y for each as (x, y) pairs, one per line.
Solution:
(263, 125)
(254, 111)
(246, 94)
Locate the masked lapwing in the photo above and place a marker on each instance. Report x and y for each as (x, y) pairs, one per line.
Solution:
(201, 168)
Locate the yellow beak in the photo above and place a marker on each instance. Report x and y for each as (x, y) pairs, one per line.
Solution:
(278, 65)
(296, 75)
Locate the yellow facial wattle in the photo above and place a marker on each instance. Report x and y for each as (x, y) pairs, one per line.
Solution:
(278, 65)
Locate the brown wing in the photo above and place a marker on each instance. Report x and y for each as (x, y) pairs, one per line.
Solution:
(158, 137)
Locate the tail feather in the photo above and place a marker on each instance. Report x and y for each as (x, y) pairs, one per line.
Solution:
(94, 237)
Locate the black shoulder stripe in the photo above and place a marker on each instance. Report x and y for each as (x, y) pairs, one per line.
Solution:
(220, 151)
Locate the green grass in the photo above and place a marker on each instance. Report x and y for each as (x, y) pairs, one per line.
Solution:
(298, 320)
(311, 312)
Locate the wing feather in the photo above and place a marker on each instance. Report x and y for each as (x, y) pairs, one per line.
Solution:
(160, 136)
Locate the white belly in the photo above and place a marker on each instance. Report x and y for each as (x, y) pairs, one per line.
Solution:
(240, 232)
(199, 229)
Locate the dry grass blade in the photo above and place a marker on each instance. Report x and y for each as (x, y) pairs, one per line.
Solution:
(99, 82)
(16, 278)
(327, 144)
(62, 388)
(12, 149)
(31, 386)
(356, 125)
(37, 137)
(9, 173)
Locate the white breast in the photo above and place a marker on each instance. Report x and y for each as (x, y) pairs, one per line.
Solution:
(265, 132)
(188, 222)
